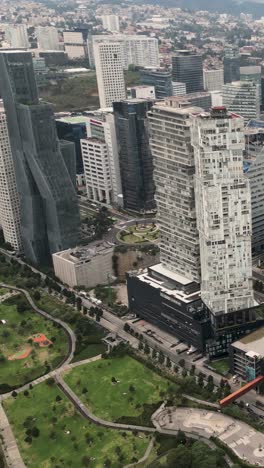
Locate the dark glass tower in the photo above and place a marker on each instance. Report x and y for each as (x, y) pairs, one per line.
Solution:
(160, 79)
(136, 163)
(188, 68)
(231, 64)
(49, 209)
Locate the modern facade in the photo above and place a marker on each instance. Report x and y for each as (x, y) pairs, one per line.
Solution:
(188, 68)
(50, 218)
(110, 22)
(213, 79)
(9, 201)
(48, 38)
(84, 266)
(109, 72)
(16, 35)
(73, 129)
(173, 158)
(247, 355)
(223, 212)
(243, 98)
(138, 50)
(178, 89)
(160, 78)
(251, 73)
(231, 64)
(101, 160)
(135, 158)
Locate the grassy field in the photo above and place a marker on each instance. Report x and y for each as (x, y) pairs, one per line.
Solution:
(221, 366)
(134, 235)
(79, 92)
(14, 337)
(134, 395)
(85, 445)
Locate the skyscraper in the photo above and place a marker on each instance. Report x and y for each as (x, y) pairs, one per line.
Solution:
(136, 164)
(223, 212)
(160, 78)
(243, 98)
(231, 64)
(110, 22)
(188, 68)
(213, 79)
(49, 211)
(9, 201)
(109, 72)
(48, 38)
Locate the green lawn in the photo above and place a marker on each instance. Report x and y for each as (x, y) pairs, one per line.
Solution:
(134, 397)
(134, 235)
(54, 447)
(14, 336)
(221, 366)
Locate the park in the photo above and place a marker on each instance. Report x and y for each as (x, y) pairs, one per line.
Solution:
(139, 234)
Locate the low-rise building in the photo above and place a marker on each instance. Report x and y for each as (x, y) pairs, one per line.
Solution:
(247, 355)
(84, 266)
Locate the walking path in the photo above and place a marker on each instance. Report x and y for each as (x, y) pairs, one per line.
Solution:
(10, 448)
(146, 455)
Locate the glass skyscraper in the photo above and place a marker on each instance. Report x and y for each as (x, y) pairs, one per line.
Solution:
(50, 219)
(188, 68)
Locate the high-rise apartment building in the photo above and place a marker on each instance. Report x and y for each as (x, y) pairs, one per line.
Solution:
(187, 68)
(136, 163)
(213, 79)
(174, 180)
(231, 64)
(223, 212)
(9, 201)
(110, 22)
(48, 38)
(109, 72)
(138, 50)
(100, 159)
(16, 35)
(75, 44)
(243, 98)
(44, 168)
(160, 78)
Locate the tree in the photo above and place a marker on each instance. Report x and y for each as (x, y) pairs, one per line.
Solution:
(132, 388)
(2, 358)
(28, 439)
(184, 373)
(182, 362)
(200, 379)
(192, 371)
(85, 461)
(180, 437)
(161, 357)
(58, 398)
(140, 346)
(35, 432)
(147, 349)
(14, 394)
(126, 327)
(26, 393)
(84, 390)
(154, 354)
(37, 295)
(168, 362)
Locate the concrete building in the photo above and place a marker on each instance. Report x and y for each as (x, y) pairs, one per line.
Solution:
(84, 266)
(213, 79)
(110, 22)
(223, 211)
(231, 64)
(202, 99)
(109, 72)
(48, 38)
(44, 168)
(9, 200)
(178, 89)
(216, 98)
(247, 355)
(135, 158)
(75, 44)
(188, 68)
(242, 98)
(101, 160)
(141, 92)
(251, 73)
(160, 78)
(173, 158)
(16, 35)
(138, 50)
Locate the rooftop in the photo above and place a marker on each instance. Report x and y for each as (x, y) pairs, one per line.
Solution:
(252, 343)
(73, 119)
(80, 255)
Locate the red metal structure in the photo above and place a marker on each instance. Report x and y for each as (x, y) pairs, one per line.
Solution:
(239, 393)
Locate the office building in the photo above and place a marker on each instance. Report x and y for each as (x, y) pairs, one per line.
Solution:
(160, 78)
(223, 211)
(138, 50)
(188, 68)
(242, 98)
(135, 158)
(16, 35)
(44, 169)
(231, 64)
(9, 201)
(101, 160)
(109, 72)
(247, 356)
(178, 89)
(73, 128)
(216, 98)
(202, 99)
(251, 73)
(110, 22)
(84, 266)
(48, 38)
(54, 58)
(213, 79)
(75, 44)
(141, 92)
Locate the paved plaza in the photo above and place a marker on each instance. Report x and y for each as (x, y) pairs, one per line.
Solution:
(246, 442)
